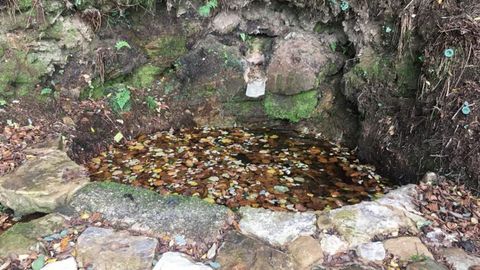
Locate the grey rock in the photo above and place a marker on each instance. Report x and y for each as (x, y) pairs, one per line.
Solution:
(426, 265)
(332, 244)
(105, 249)
(178, 261)
(67, 264)
(299, 63)
(23, 236)
(146, 211)
(226, 22)
(277, 228)
(360, 223)
(46, 181)
(373, 251)
(242, 252)
(403, 198)
(459, 259)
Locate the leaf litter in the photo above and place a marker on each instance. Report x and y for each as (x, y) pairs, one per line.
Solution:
(238, 167)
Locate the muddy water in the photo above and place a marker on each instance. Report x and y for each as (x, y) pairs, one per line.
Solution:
(237, 167)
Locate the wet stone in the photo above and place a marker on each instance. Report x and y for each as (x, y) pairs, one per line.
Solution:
(149, 212)
(277, 228)
(43, 183)
(407, 247)
(178, 261)
(105, 249)
(242, 252)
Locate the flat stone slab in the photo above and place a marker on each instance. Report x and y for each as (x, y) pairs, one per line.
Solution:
(360, 223)
(306, 251)
(178, 261)
(20, 238)
(459, 259)
(243, 252)
(426, 265)
(373, 251)
(277, 228)
(105, 249)
(190, 218)
(43, 183)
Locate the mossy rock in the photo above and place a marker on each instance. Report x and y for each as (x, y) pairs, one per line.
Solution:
(22, 236)
(166, 49)
(293, 108)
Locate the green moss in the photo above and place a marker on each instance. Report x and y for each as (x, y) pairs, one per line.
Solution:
(24, 5)
(166, 49)
(145, 76)
(293, 108)
(408, 72)
(19, 73)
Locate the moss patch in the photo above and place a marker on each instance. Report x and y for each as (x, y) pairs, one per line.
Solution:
(145, 76)
(293, 108)
(166, 49)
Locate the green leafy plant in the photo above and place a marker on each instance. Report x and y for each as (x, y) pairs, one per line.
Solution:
(46, 91)
(122, 44)
(121, 100)
(333, 46)
(3, 102)
(206, 9)
(151, 103)
(418, 258)
(243, 37)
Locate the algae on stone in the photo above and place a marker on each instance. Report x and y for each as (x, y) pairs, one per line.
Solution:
(293, 108)
(166, 49)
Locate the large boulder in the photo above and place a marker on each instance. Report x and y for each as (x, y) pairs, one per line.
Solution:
(191, 219)
(22, 237)
(45, 182)
(105, 249)
(301, 62)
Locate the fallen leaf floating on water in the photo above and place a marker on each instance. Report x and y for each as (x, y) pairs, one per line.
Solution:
(238, 168)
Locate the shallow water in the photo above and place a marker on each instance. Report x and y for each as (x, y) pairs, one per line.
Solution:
(237, 167)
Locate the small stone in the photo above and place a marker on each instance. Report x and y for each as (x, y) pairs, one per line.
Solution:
(106, 249)
(212, 251)
(226, 22)
(407, 247)
(213, 178)
(277, 228)
(332, 244)
(281, 189)
(299, 179)
(459, 259)
(67, 264)
(371, 251)
(430, 178)
(426, 265)
(306, 251)
(178, 261)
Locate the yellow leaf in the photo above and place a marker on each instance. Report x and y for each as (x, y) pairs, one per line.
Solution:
(226, 141)
(96, 160)
(137, 146)
(192, 183)
(85, 215)
(209, 200)
(137, 168)
(157, 170)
